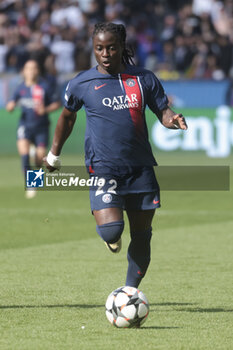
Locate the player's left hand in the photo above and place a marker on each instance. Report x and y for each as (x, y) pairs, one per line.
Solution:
(179, 122)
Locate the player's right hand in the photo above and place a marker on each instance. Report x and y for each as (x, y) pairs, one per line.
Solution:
(10, 106)
(52, 162)
(48, 166)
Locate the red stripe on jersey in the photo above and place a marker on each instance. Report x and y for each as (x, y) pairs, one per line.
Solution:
(133, 92)
(37, 96)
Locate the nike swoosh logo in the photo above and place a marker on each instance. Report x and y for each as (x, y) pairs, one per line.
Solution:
(155, 202)
(98, 87)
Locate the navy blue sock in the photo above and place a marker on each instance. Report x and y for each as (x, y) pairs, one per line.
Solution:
(110, 232)
(25, 164)
(138, 257)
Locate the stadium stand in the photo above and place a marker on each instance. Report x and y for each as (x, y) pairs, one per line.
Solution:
(175, 39)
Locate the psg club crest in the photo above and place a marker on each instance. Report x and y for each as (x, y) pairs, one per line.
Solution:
(130, 82)
(35, 178)
(107, 198)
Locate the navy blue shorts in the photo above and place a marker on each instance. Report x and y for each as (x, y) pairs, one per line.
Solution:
(137, 191)
(38, 136)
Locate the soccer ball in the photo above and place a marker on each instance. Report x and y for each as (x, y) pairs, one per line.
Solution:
(127, 307)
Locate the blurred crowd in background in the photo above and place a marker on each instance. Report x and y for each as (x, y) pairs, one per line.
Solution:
(190, 39)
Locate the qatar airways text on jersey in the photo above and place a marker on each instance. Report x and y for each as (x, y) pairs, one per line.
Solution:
(121, 102)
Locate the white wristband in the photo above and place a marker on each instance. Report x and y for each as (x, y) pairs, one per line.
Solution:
(53, 160)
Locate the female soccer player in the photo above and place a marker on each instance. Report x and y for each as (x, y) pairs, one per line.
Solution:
(36, 101)
(115, 94)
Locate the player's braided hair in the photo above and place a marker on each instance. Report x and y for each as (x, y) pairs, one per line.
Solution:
(120, 32)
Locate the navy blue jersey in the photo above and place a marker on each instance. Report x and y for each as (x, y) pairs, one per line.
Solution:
(29, 98)
(116, 132)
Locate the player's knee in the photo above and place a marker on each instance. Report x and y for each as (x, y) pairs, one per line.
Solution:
(140, 243)
(110, 232)
(142, 236)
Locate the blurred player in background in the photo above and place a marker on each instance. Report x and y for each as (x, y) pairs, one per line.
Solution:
(36, 101)
(115, 94)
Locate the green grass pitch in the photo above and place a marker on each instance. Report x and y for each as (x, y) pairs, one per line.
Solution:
(56, 273)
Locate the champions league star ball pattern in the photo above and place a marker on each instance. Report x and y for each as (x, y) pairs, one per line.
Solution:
(127, 307)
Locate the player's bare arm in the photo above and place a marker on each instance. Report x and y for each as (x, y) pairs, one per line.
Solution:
(63, 130)
(172, 120)
(41, 110)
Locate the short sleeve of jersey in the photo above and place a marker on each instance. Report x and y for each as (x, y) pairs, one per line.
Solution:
(16, 94)
(51, 93)
(156, 99)
(72, 100)
(54, 97)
